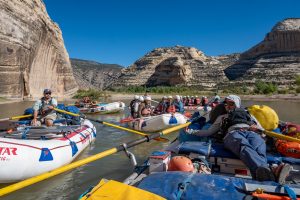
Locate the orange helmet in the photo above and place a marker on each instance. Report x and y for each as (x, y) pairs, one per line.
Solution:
(180, 163)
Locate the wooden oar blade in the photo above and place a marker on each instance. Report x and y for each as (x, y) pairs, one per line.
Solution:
(125, 120)
(161, 139)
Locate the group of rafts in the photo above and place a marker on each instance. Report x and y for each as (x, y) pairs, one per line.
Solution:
(42, 149)
(206, 170)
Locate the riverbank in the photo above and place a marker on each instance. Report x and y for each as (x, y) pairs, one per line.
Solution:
(275, 97)
(116, 97)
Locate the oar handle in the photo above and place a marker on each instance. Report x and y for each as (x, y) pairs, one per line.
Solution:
(175, 128)
(15, 117)
(66, 112)
(119, 127)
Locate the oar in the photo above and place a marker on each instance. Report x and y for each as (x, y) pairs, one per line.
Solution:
(15, 117)
(41, 177)
(281, 136)
(129, 130)
(112, 125)
(66, 112)
(24, 116)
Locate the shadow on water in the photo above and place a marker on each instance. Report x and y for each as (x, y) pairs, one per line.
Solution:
(73, 183)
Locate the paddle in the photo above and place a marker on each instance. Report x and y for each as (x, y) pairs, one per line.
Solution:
(122, 147)
(15, 117)
(280, 136)
(66, 112)
(129, 130)
(113, 125)
(30, 115)
(128, 119)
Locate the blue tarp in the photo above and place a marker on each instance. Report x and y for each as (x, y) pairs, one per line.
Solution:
(198, 186)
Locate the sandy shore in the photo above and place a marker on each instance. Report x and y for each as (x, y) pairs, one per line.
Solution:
(117, 97)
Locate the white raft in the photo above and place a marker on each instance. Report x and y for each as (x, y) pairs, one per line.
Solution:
(158, 122)
(114, 107)
(24, 158)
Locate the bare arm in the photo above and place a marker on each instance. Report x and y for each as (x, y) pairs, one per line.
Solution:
(214, 128)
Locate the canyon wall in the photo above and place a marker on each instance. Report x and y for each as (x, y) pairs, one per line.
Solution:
(32, 52)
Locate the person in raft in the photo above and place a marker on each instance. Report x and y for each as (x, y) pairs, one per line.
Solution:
(44, 107)
(241, 136)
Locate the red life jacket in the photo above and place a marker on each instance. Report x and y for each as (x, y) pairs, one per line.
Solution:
(171, 109)
(159, 108)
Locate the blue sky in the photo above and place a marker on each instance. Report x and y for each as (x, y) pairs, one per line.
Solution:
(122, 31)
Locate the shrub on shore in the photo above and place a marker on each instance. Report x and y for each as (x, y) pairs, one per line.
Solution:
(264, 88)
(92, 93)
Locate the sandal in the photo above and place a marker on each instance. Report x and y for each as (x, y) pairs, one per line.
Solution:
(281, 172)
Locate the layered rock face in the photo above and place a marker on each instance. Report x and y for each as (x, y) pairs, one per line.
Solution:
(276, 59)
(89, 74)
(32, 52)
(176, 66)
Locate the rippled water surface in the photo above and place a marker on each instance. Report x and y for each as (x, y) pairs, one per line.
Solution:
(71, 184)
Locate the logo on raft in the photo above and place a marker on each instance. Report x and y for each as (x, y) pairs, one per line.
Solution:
(8, 151)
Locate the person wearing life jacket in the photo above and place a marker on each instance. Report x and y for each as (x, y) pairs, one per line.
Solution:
(44, 107)
(197, 101)
(145, 109)
(161, 107)
(215, 101)
(241, 137)
(93, 104)
(183, 100)
(191, 101)
(204, 101)
(169, 104)
(187, 101)
(133, 105)
(178, 104)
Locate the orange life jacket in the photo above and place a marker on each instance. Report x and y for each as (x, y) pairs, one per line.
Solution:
(270, 196)
(289, 149)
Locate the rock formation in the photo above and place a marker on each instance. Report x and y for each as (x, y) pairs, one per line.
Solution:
(32, 52)
(89, 74)
(176, 66)
(276, 59)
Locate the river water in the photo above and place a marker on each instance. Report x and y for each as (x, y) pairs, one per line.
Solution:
(71, 184)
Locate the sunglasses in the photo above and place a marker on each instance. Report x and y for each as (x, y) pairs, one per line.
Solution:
(48, 93)
(229, 104)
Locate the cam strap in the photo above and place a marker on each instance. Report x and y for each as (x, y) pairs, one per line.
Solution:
(183, 186)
